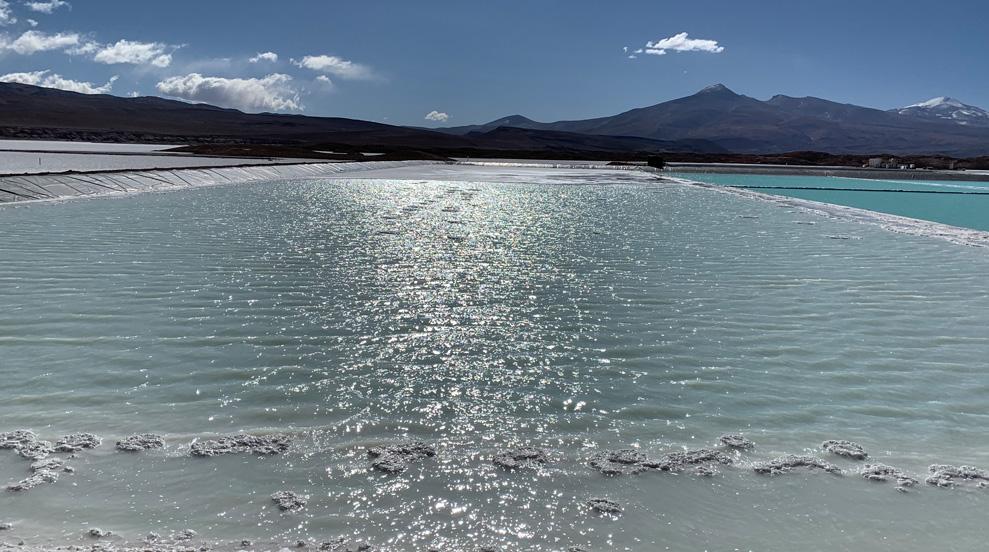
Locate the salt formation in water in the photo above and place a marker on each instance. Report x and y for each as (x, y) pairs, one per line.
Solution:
(784, 464)
(231, 444)
(6, 526)
(525, 457)
(943, 475)
(847, 449)
(141, 442)
(26, 444)
(397, 458)
(882, 472)
(619, 462)
(736, 441)
(677, 461)
(287, 500)
(77, 441)
(338, 546)
(604, 506)
(35, 450)
(16, 438)
(631, 461)
(48, 464)
(98, 533)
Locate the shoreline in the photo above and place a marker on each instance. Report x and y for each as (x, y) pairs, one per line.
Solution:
(35, 187)
(894, 223)
(836, 171)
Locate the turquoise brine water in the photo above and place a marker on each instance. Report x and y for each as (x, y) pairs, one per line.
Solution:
(967, 211)
(479, 308)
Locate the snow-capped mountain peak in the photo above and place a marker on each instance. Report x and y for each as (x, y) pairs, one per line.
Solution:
(939, 102)
(944, 108)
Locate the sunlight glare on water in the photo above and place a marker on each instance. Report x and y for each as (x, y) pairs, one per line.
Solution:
(484, 308)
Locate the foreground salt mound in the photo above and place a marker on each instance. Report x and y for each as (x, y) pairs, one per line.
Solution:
(289, 501)
(35, 450)
(631, 461)
(944, 475)
(882, 472)
(785, 464)
(521, 458)
(847, 449)
(242, 443)
(736, 441)
(397, 458)
(77, 442)
(16, 438)
(141, 442)
(619, 462)
(604, 506)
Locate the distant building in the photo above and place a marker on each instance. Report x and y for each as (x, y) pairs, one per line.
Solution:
(885, 163)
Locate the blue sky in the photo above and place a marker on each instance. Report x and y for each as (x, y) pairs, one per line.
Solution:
(473, 62)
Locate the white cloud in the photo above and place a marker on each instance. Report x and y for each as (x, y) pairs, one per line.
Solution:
(46, 7)
(324, 80)
(133, 52)
(437, 116)
(335, 66)
(32, 22)
(6, 14)
(38, 41)
(264, 56)
(271, 93)
(683, 43)
(83, 49)
(54, 80)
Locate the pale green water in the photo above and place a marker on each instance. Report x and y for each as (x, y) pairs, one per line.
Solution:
(967, 211)
(477, 307)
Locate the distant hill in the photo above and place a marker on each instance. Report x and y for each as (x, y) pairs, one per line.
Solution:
(742, 124)
(35, 112)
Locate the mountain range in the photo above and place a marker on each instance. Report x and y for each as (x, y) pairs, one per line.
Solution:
(28, 111)
(741, 124)
(715, 120)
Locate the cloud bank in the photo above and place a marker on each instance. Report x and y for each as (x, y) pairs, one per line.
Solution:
(54, 80)
(271, 93)
(6, 14)
(135, 53)
(47, 7)
(31, 42)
